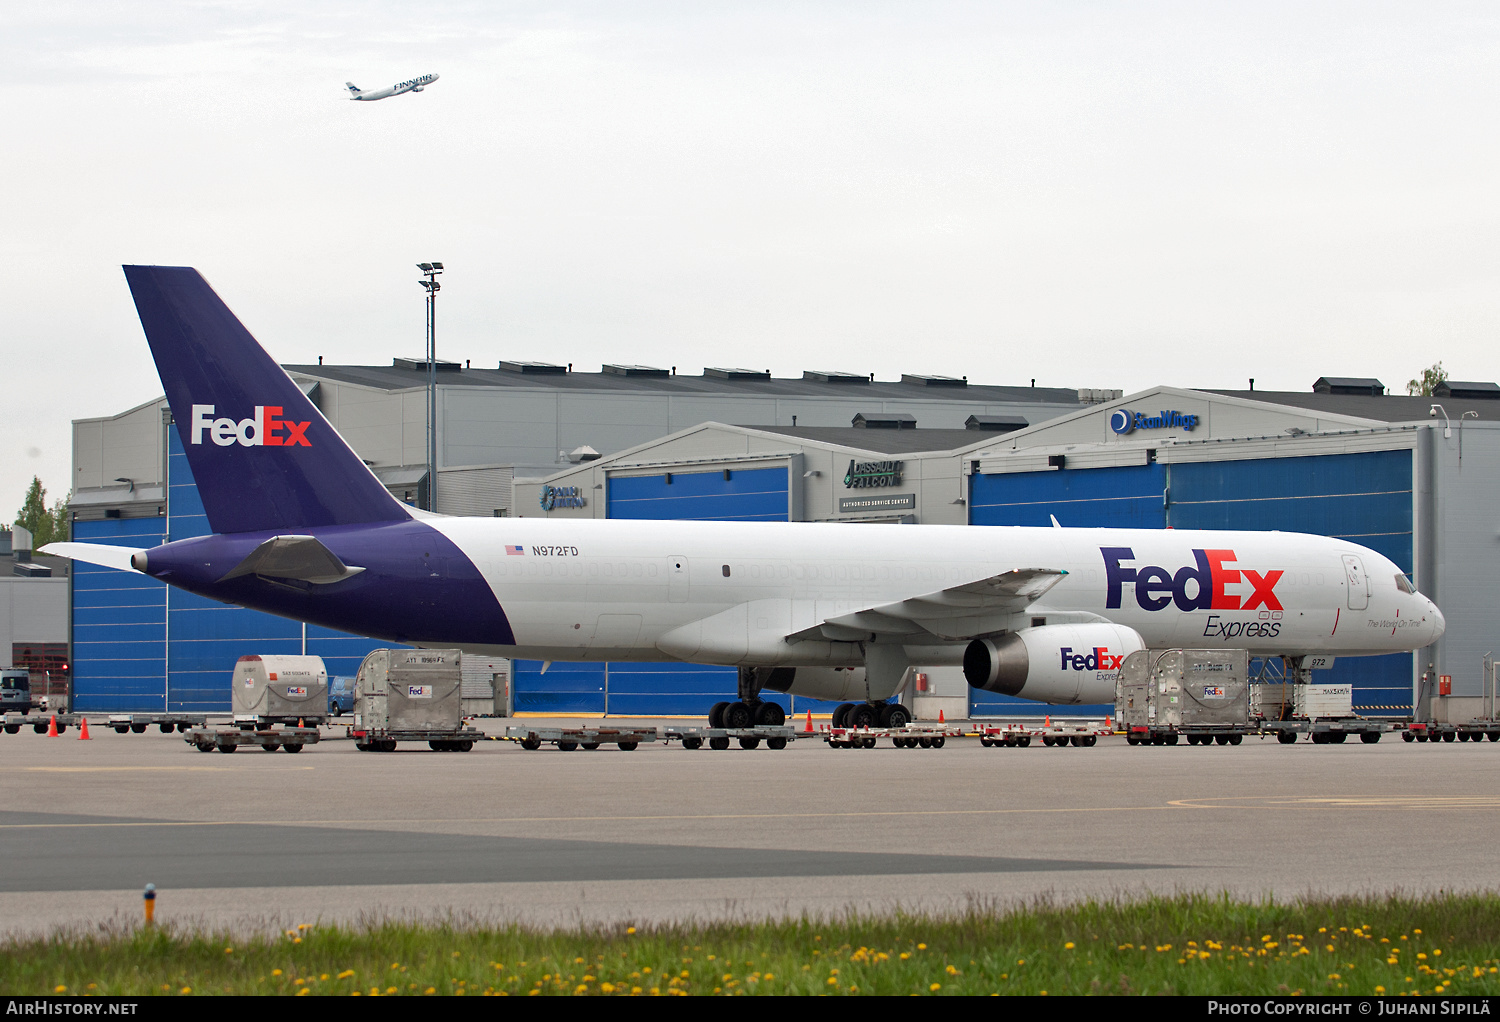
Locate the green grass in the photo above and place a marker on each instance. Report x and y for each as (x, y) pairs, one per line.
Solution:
(1192, 944)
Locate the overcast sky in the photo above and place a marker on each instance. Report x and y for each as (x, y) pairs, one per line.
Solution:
(1091, 194)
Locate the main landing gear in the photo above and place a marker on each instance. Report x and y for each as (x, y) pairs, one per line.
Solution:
(749, 710)
(871, 715)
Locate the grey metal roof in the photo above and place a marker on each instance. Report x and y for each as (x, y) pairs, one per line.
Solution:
(1386, 408)
(883, 441)
(393, 378)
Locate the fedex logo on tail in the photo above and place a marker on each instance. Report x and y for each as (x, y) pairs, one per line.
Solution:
(1097, 659)
(265, 428)
(1202, 585)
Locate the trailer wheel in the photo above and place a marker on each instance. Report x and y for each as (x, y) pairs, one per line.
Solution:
(937, 743)
(270, 747)
(749, 743)
(531, 744)
(692, 742)
(227, 747)
(138, 729)
(719, 742)
(1493, 736)
(925, 743)
(1090, 741)
(168, 728)
(463, 746)
(1286, 737)
(1407, 736)
(386, 745)
(776, 743)
(566, 746)
(627, 746)
(1024, 741)
(590, 746)
(292, 747)
(1369, 737)
(119, 730)
(1448, 736)
(1236, 739)
(362, 746)
(437, 746)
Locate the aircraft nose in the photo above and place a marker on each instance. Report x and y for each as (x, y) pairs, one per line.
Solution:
(1438, 622)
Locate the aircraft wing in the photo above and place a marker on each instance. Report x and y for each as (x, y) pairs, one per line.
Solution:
(295, 557)
(105, 555)
(958, 612)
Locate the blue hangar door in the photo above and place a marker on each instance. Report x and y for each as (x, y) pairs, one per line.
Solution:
(667, 689)
(1365, 498)
(1131, 497)
(139, 645)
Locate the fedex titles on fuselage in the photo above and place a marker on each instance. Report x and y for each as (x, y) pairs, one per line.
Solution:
(264, 429)
(1202, 585)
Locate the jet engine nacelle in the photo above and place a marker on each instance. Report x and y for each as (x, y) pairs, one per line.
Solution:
(1053, 663)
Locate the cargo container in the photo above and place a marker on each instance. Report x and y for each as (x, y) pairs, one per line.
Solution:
(411, 695)
(279, 690)
(1201, 693)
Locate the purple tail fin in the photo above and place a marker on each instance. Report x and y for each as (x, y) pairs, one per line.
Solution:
(263, 456)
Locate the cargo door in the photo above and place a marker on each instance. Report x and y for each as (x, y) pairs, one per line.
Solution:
(1357, 581)
(677, 579)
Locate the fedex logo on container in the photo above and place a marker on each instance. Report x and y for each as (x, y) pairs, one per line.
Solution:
(1209, 577)
(263, 429)
(1097, 659)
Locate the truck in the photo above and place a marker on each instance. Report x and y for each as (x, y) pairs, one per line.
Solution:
(15, 690)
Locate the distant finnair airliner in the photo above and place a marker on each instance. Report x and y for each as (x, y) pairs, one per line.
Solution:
(414, 85)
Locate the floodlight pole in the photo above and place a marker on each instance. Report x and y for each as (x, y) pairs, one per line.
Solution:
(429, 283)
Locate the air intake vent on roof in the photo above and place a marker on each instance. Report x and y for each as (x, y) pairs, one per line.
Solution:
(1455, 388)
(534, 368)
(627, 370)
(1348, 385)
(885, 420)
(822, 376)
(935, 381)
(995, 423)
(421, 364)
(736, 374)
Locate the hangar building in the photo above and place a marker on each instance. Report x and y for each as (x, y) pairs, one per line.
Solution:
(138, 645)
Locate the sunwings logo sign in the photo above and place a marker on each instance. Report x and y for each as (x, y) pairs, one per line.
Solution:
(1123, 421)
(265, 428)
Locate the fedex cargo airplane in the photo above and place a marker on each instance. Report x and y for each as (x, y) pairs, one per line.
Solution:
(413, 85)
(304, 530)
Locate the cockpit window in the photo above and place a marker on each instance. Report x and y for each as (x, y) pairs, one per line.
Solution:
(1404, 584)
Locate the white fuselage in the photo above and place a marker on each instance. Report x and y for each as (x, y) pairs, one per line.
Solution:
(639, 590)
(413, 85)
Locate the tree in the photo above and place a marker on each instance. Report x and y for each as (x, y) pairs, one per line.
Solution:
(1424, 385)
(45, 525)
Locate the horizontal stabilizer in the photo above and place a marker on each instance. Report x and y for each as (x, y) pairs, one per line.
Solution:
(961, 611)
(106, 555)
(296, 557)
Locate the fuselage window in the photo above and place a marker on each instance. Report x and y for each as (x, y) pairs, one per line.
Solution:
(726, 571)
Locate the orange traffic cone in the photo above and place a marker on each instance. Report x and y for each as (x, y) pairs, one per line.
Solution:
(1109, 723)
(52, 727)
(1048, 720)
(83, 730)
(809, 722)
(940, 717)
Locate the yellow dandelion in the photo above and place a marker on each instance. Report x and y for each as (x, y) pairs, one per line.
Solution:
(935, 987)
(59, 989)
(1068, 946)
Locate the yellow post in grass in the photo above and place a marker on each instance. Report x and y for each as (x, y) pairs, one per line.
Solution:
(150, 897)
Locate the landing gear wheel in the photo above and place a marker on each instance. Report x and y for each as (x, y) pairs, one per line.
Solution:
(718, 742)
(895, 715)
(693, 742)
(841, 714)
(769, 715)
(749, 743)
(716, 714)
(738, 715)
(532, 744)
(861, 715)
(776, 743)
